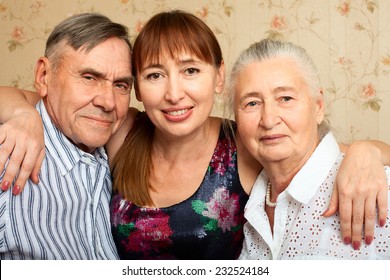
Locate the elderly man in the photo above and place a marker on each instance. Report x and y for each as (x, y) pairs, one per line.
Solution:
(84, 80)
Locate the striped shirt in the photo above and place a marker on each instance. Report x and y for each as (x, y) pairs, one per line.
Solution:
(65, 216)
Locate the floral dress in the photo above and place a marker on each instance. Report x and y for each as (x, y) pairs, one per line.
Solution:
(207, 225)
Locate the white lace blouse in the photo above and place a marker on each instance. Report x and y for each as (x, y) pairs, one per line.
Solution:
(300, 232)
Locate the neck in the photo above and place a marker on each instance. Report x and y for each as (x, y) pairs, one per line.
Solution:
(281, 173)
(186, 147)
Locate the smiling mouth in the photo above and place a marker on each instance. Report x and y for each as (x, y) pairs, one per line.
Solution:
(100, 121)
(177, 113)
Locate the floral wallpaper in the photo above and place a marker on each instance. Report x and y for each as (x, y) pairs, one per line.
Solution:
(349, 41)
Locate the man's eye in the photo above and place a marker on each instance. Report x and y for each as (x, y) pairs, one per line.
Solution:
(122, 88)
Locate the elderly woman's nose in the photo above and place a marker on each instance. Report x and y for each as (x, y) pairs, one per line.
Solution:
(269, 116)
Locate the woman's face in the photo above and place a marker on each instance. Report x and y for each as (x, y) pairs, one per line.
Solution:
(178, 94)
(276, 114)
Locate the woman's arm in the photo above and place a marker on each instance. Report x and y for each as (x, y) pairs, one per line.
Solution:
(361, 187)
(21, 137)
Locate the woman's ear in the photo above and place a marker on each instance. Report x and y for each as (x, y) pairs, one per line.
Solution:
(220, 85)
(320, 107)
(42, 70)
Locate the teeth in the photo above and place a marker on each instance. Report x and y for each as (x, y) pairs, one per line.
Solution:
(178, 113)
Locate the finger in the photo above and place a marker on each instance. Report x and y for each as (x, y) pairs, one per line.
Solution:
(333, 204)
(382, 206)
(13, 166)
(345, 212)
(35, 172)
(369, 219)
(5, 151)
(357, 222)
(28, 165)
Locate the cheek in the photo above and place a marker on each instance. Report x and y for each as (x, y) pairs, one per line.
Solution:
(247, 124)
(122, 105)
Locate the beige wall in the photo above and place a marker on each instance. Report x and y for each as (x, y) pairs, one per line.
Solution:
(349, 41)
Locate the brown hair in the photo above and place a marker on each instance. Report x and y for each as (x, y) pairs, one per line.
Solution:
(174, 31)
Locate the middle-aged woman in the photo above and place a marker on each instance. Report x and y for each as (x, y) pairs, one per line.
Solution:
(279, 111)
(180, 181)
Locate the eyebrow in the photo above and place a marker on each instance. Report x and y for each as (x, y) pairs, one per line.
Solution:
(274, 91)
(249, 94)
(182, 61)
(126, 79)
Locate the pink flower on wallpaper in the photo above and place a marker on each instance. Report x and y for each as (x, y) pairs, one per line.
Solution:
(279, 22)
(368, 91)
(203, 13)
(17, 34)
(344, 8)
(222, 207)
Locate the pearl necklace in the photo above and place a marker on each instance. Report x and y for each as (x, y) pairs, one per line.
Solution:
(268, 196)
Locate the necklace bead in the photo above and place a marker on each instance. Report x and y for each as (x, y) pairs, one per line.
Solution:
(268, 196)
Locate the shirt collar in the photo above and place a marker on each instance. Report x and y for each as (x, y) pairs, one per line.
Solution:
(64, 152)
(309, 178)
(314, 172)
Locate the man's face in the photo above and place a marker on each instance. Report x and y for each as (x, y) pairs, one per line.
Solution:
(87, 96)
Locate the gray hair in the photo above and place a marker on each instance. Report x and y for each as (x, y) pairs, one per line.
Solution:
(267, 49)
(86, 31)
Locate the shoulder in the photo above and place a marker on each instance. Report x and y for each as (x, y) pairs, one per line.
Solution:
(120, 135)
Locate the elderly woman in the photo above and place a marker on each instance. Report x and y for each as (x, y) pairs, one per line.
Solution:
(279, 110)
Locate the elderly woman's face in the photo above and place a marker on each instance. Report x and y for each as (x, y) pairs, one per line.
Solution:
(276, 114)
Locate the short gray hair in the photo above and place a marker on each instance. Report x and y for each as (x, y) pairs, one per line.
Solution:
(267, 49)
(85, 30)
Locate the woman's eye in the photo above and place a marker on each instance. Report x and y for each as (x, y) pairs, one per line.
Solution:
(286, 98)
(191, 71)
(153, 76)
(251, 104)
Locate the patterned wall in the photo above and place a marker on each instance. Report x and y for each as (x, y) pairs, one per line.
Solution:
(348, 39)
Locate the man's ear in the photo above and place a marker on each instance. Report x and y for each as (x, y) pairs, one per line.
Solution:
(42, 72)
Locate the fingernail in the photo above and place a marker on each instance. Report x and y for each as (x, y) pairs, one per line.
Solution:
(356, 245)
(16, 190)
(368, 240)
(382, 223)
(5, 185)
(347, 240)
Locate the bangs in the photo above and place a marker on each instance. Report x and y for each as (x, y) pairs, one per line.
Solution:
(174, 35)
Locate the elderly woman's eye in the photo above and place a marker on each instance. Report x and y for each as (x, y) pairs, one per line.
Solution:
(286, 98)
(251, 103)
